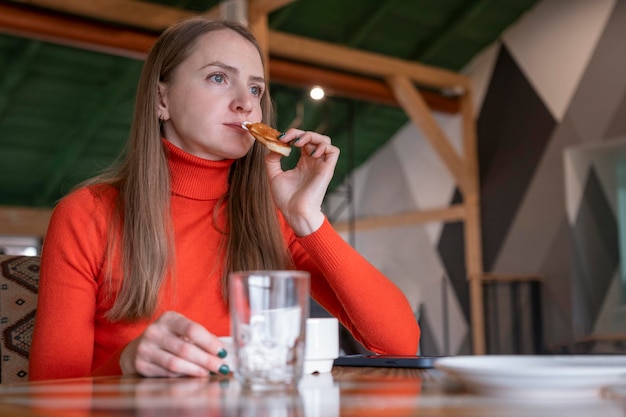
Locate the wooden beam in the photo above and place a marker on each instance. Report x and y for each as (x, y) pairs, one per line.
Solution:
(474, 269)
(470, 141)
(348, 59)
(334, 83)
(133, 13)
(446, 214)
(24, 221)
(604, 337)
(504, 277)
(105, 38)
(472, 226)
(258, 24)
(352, 86)
(75, 32)
(415, 107)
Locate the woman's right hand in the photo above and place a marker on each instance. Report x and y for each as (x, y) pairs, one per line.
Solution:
(174, 346)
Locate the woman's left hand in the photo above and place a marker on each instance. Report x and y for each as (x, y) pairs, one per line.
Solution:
(299, 192)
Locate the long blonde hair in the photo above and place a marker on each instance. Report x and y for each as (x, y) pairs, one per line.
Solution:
(142, 213)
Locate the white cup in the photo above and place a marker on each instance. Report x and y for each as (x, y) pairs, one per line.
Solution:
(322, 344)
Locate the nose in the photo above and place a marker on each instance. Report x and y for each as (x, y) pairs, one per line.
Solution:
(242, 100)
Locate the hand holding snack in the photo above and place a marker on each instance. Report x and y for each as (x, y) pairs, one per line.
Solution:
(299, 192)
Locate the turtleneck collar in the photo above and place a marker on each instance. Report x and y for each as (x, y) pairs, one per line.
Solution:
(196, 178)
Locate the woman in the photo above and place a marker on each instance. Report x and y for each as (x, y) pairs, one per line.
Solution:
(134, 262)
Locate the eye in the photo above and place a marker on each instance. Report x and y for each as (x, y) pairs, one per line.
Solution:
(256, 90)
(218, 77)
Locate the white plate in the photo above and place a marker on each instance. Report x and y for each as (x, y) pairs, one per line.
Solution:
(536, 376)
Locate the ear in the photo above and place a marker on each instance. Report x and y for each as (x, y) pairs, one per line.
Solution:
(162, 102)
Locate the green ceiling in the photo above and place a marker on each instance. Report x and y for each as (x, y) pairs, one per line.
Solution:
(65, 112)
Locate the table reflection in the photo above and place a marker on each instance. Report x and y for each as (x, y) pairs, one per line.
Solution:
(362, 392)
(317, 396)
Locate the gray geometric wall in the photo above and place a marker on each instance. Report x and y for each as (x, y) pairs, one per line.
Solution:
(591, 173)
(556, 80)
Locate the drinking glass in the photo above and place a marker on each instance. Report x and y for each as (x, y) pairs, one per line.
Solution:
(269, 310)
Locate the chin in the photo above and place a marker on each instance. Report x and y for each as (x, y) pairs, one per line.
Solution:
(236, 153)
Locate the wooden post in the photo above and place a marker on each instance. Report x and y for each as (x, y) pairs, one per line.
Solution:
(473, 239)
(258, 11)
(465, 171)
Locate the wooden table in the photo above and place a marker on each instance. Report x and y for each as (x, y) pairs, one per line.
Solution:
(362, 392)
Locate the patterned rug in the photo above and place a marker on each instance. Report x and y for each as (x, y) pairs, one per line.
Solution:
(19, 280)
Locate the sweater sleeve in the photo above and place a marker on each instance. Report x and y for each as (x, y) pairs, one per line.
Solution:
(72, 258)
(366, 302)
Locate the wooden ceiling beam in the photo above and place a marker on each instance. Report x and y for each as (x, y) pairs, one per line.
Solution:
(307, 50)
(351, 86)
(132, 13)
(415, 107)
(258, 25)
(106, 38)
(453, 213)
(258, 22)
(74, 31)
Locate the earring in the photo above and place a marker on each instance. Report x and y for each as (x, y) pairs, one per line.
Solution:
(161, 118)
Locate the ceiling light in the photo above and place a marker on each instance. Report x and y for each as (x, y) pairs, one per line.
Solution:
(317, 93)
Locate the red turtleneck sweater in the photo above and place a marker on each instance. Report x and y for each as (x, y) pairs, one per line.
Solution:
(73, 338)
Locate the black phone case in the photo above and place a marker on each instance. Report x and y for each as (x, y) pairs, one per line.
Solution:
(387, 361)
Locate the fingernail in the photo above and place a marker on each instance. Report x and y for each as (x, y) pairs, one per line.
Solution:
(222, 353)
(295, 140)
(282, 135)
(224, 369)
(312, 153)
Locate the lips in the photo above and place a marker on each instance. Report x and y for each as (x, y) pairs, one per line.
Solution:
(235, 125)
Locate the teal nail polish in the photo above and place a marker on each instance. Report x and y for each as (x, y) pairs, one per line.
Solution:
(312, 153)
(222, 353)
(224, 369)
(282, 135)
(295, 140)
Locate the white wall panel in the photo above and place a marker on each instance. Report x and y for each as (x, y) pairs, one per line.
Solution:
(553, 43)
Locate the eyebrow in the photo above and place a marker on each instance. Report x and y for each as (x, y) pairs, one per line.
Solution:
(230, 68)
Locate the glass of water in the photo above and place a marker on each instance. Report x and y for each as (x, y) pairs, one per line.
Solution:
(268, 326)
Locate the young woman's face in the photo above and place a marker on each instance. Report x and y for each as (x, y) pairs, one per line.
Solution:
(215, 89)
